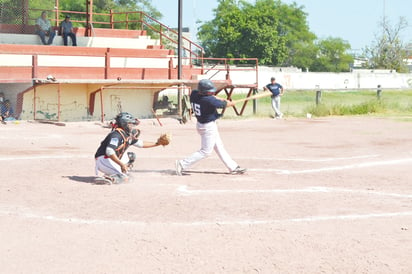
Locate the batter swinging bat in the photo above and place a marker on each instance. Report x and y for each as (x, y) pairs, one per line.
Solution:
(256, 96)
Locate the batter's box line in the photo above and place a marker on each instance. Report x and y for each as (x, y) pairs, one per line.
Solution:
(183, 190)
(330, 159)
(318, 218)
(71, 156)
(334, 168)
(214, 157)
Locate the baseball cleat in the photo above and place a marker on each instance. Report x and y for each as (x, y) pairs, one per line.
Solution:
(116, 179)
(111, 179)
(102, 180)
(238, 170)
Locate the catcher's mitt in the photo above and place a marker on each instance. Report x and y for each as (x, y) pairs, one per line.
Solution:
(164, 139)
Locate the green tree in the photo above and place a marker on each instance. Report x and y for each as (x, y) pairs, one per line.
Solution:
(299, 39)
(388, 50)
(332, 56)
(275, 33)
(302, 55)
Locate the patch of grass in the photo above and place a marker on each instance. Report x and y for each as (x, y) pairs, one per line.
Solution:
(373, 106)
(299, 103)
(396, 103)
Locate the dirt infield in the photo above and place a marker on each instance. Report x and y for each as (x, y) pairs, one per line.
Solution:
(329, 195)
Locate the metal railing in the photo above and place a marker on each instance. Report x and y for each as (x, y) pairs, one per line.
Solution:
(128, 20)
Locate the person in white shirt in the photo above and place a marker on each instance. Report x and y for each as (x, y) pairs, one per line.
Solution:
(43, 29)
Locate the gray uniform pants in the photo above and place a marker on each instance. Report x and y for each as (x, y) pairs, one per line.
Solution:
(276, 106)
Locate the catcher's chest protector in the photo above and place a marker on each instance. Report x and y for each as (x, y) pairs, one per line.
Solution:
(125, 143)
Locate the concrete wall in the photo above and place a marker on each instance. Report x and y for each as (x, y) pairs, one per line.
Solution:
(73, 102)
(44, 103)
(312, 80)
(138, 102)
(297, 80)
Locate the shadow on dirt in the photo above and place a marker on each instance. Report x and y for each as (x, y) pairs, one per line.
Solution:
(87, 179)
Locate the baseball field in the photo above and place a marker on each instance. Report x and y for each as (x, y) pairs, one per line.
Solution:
(321, 195)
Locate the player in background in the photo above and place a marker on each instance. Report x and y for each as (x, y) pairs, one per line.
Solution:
(277, 92)
(204, 105)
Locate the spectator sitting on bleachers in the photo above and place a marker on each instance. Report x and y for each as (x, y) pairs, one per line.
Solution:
(66, 29)
(43, 29)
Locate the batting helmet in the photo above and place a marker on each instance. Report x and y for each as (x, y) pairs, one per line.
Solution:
(125, 118)
(206, 87)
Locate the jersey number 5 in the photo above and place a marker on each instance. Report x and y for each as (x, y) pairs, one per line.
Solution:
(196, 109)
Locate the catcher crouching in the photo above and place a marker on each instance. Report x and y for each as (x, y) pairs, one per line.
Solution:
(111, 157)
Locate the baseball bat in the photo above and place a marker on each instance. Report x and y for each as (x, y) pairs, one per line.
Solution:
(256, 96)
(157, 117)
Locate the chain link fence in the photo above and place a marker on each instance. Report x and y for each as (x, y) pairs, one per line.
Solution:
(20, 16)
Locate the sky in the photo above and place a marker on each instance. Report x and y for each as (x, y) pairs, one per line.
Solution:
(356, 21)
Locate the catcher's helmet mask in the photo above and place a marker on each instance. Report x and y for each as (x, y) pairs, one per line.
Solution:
(123, 120)
(206, 87)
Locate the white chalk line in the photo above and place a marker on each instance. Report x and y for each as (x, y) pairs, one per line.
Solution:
(334, 168)
(312, 160)
(278, 171)
(183, 190)
(34, 157)
(206, 223)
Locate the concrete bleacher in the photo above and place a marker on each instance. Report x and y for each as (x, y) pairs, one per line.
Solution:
(106, 54)
(141, 42)
(100, 38)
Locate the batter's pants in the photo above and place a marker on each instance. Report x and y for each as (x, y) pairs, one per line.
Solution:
(210, 140)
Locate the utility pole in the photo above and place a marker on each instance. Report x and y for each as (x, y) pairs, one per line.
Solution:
(179, 40)
(179, 56)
